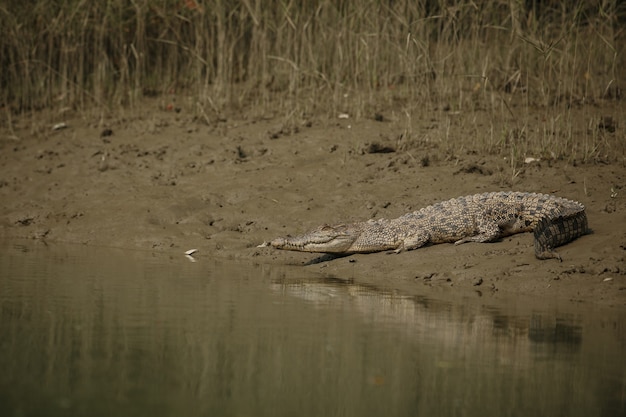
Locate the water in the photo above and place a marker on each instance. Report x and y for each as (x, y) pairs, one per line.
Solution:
(98, 332)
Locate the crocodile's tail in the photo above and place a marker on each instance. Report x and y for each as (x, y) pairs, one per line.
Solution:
(553, 232)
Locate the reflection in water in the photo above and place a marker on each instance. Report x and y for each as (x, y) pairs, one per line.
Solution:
(101, 332)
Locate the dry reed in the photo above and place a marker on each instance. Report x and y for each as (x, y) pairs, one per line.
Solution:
(293, 57)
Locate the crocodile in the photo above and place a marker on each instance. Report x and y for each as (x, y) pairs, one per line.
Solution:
(484, 217)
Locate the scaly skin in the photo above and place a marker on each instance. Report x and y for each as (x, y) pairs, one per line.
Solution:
(475, 218)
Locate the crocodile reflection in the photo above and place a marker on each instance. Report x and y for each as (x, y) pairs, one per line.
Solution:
(451, 323)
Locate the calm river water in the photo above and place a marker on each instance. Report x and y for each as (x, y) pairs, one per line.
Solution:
(100, 332)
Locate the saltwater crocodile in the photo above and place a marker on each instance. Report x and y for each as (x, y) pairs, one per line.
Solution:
(485, 217)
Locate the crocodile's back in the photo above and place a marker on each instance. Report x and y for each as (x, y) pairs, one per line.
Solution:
(489, 216)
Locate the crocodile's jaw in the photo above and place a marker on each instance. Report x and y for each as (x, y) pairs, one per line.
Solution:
(324, 239)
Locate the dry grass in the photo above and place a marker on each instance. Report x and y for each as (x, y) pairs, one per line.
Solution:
(291, 58)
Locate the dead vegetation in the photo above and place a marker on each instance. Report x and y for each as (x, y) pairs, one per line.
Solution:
(290, 59)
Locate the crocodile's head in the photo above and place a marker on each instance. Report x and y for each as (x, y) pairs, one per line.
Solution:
(326, 239)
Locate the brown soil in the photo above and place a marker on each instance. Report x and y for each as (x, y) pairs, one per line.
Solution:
(164, 182)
